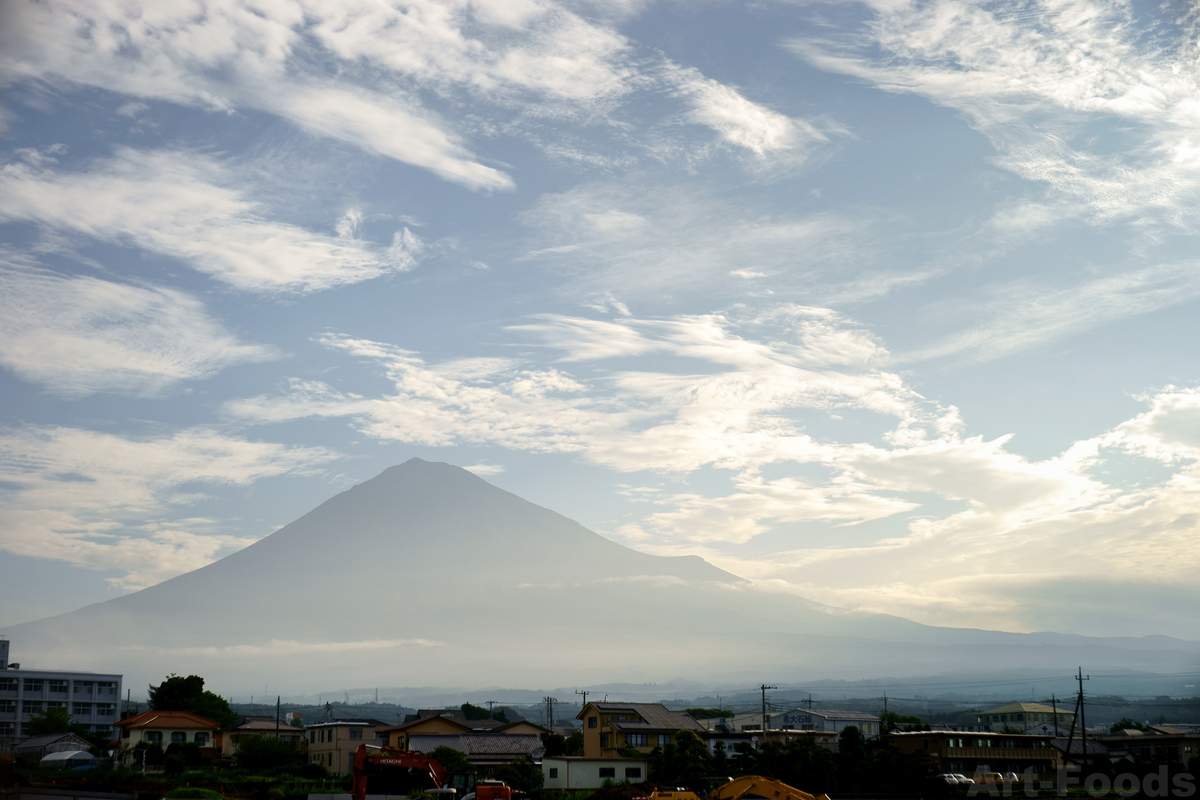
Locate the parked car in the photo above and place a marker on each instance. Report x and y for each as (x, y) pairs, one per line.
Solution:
(963, 778)
(1012, 777)
(949, 777)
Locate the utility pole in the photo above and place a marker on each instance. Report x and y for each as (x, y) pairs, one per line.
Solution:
(809, 701)
(583, 692)
(764, 688)
(1054, 705)
(550, 701)
(1083, 716)
(277, 716)
(886, 726)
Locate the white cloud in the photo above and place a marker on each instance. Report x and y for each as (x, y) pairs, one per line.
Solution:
(741, 122)
(79, 335)
(111, 502)
(1040, 84)
(188, 206)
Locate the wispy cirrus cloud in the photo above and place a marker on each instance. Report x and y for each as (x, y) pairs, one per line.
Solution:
(80, 335)
(1024, 314)
(105, 501)
(189, 206)
(677, 239)
(369, 74)
(1045, 82)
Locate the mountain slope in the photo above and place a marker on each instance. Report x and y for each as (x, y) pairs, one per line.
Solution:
(429, 574)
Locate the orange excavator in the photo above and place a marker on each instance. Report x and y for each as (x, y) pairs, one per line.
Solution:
(738, 788)
(459, 785)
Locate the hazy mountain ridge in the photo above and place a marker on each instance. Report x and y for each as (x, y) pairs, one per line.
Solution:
(428, 574)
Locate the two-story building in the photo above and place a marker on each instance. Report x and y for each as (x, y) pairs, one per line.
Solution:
(610, 728)
(92, 699)
(165, 728)
(1026, 716)
(825, 720)
(968, 753)
(1159, 743)
(333, 744)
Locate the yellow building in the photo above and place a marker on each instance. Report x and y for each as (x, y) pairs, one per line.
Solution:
(610, 728)
(1024, 716)
(332, 744)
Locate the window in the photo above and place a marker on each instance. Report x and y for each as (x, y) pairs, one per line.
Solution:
(633, 772)
(608, 772)
(8, 706)
(355, 733)
(926, 743)
(604, 740)
(30, 706)
(201, 738)
(178, 736)
(8, 728)
(106, 687)
(55, 704)
(106, 709)
(553, 772)
(153, 737)
(636, 739)
(33, 685)
(591, 720)
(331, 759)
(8, 684)
(83, 687)
(58, 687)
(322, 735)
(82, 709)
(664, 739)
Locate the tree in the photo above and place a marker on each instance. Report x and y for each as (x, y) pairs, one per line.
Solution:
(261, 753)
(1125, 723)
(575, 744)
(684, 762)
(52, 720)
(188, 694)
(905, 722)
(58, 720)
(555, 745)
(473, 712)
(453, 760)
(522, 775)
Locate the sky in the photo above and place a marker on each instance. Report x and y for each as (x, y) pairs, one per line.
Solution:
(890, 305)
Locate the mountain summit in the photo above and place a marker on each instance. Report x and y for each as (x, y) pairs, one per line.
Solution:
(427, 574)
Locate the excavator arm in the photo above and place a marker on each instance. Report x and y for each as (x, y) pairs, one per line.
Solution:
(391, 757)
(758, 786)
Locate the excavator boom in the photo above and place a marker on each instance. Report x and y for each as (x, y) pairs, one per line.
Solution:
(758, 786)
(391, 757)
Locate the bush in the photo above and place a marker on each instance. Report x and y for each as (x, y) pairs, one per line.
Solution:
(261, 753)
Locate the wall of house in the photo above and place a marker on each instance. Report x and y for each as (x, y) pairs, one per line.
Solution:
(333, 746)
(587, 773)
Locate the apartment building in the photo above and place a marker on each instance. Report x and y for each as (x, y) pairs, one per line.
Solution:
(92, 699)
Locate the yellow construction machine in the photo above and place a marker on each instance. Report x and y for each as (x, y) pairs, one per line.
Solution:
(739, 788)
